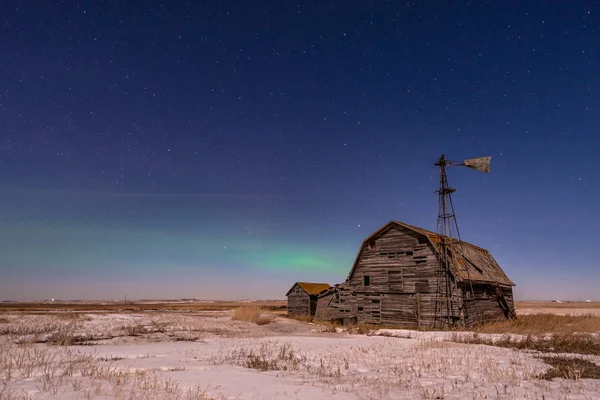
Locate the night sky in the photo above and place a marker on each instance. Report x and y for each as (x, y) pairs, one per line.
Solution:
(173, 149)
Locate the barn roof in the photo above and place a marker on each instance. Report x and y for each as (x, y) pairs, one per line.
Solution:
(476, 264)
(311, 288)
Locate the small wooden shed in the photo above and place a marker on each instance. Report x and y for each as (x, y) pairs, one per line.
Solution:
(302, 298)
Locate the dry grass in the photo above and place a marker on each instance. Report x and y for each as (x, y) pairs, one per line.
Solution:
(533, 324)
(570, 368)
(543, 323)
(557, 343)
(302, 318)
(71, 374)
(546, 333)
(251, 313)
(381, 368)
(429, 370)
(267, 358)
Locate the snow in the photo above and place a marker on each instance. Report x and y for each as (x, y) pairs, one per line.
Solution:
(205, 356)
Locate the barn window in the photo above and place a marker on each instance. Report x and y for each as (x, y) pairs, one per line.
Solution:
(409, 253)
(422, 286)
(361, 308)
(366, 280)
(422, 240)
(420, 259)
(467, 294)
(372, 244)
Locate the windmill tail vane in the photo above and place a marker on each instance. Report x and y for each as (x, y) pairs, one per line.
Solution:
(480, 164)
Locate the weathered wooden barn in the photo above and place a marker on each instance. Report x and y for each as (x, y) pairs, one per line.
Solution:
(302, 298)
(397, 279)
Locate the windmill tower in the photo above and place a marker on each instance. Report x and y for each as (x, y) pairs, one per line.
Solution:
(449, 243)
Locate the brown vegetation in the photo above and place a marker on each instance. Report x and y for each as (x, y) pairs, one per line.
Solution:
(570, 368)
(251, 313)
(543, 323)
(557, 343)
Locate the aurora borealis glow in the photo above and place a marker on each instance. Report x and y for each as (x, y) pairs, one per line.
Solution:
(226, 150)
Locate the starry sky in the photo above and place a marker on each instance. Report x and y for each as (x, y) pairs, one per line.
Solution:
(225, 149)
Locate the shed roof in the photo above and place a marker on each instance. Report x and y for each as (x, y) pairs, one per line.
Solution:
(475, 264)
(311, 288)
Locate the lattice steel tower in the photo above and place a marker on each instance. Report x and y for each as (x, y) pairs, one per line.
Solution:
(449, 242)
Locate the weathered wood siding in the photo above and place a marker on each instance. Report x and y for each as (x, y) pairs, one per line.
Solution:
(324, 312)
(404, 287)
(402, 270)
(299, 302)
(313, 304)
(485, 306)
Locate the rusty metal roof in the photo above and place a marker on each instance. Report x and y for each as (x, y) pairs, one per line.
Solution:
(473, 263)
(311, 288)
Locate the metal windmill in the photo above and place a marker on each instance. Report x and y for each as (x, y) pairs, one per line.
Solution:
(450, 245)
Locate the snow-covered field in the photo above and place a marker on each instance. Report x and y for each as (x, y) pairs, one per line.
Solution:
(208, 355)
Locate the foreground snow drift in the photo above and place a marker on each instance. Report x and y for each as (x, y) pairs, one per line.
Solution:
(205, 357)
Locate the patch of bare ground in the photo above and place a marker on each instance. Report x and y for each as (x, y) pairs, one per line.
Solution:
(570, 368)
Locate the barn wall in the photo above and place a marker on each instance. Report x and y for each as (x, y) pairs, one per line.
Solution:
(485, 306)
(508, 295)
(324, 312)
(402, 269)
(298, 302)
(313, 304)
(405, 287)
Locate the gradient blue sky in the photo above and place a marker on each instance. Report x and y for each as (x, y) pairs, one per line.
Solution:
(172, 150)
